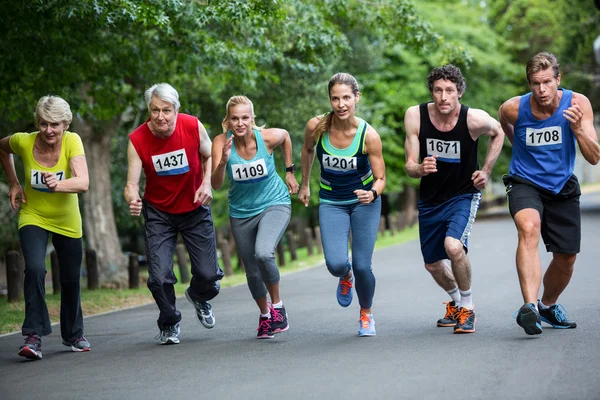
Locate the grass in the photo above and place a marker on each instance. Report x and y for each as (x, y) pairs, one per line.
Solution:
(104, 300)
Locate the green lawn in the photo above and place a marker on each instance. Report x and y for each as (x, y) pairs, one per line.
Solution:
(103, 300)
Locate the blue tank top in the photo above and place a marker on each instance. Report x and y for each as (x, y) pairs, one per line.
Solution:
(254, 184)
(344, 170)
(544, 150)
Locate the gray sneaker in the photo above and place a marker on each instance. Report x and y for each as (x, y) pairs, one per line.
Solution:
(169, 335)
(203, 310)
(78, 345)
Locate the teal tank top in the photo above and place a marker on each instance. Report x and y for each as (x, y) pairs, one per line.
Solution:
(254, 184)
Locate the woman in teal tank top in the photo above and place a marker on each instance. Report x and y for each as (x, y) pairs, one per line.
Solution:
(259, 203)
(352, 178)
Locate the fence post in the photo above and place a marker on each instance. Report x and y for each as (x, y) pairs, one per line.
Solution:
(184, 271)
(309, 240)
(12, 276)
(318, 239)
(226, 256)
(280, 255)
(91, 264)
(55, 272)
(292, 245)
(134, 271)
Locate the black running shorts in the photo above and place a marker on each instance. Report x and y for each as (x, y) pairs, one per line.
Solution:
(560, 213)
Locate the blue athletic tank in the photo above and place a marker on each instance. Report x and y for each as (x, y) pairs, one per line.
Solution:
(544, 150)
(254, 184)
(344, 170)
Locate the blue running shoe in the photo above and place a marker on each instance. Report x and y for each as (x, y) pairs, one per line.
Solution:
(344, 292)
(556, 315)
(366, 324)
(529, 319)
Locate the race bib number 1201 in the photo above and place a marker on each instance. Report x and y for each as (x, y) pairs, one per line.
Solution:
(39, 183)
(338, 163)
(172, 163)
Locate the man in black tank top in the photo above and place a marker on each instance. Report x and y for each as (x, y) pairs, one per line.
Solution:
(441, 149)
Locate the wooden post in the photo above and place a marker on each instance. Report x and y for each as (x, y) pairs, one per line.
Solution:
(309, 240)
(91, 264)
(292, 245)
(280, 254)
(12, 276)
(55, 272)
(318, 239)
(134, 271)
(226, 257)
(181, 256)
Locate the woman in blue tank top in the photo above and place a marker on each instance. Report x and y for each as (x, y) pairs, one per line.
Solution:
(352, 178)
(259, 203)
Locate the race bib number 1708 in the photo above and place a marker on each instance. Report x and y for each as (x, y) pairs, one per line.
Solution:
(550, 135)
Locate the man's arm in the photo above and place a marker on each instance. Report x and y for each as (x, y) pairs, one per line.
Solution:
(412, 148)
(507, 114)
(581, 117)
(480, 123)
(204, 192)
(132, 189)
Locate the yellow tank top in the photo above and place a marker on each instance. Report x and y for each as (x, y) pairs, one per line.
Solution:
(55, 212)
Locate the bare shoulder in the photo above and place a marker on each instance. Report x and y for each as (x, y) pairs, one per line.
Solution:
(581, 99)
(412, 112)
(312, 123)
(509, 110)
(220, 138)
(477, 118)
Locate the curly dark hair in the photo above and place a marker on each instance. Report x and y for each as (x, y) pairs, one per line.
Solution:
(450, 73)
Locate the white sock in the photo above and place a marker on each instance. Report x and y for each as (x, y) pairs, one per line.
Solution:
(542, 305)
(466, 300)
(278, 305)
(454, 294)
(267, 315)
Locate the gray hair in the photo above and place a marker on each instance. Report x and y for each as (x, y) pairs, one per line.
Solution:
(52, 109)
(163, 91)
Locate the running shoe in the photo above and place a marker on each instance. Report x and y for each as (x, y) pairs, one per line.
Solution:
(528, 318)
(279, 320)
(32, 349)
(344, 292)
(450, 317)
(556, 315)
(264, 328)
(203, 310)
(366, 324)
(465, 321)
(78, 345)
(169, 335)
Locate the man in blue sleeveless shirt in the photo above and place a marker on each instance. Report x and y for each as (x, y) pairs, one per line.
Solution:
(543, 193)
(441, 149)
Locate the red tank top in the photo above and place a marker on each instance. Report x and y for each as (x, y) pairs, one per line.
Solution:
(172, 165)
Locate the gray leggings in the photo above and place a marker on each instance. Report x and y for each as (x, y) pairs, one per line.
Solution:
(256, 239)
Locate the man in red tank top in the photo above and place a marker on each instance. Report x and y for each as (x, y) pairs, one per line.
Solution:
(174, 151)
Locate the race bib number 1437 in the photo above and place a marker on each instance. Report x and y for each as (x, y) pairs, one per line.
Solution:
(172, 163)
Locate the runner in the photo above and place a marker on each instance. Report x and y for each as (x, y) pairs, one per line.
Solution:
(55, 172)
(543, 193)
(352, 179)
(441, 149)
(173, 149)
(259, 203)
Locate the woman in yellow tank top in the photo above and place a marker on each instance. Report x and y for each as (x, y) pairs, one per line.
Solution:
(55, 171)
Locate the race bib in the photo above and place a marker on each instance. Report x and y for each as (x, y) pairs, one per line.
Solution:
(338, 164)
(447, 151)
(251, 172)
(39, 183)
(543, 137)
(173, 163)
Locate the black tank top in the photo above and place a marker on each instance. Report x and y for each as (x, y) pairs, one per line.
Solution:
(456, 162)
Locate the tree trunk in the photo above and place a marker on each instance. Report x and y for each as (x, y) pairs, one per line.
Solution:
(99, 225)
(410, 204)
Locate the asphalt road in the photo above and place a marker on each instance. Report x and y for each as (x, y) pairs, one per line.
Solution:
(321, 357)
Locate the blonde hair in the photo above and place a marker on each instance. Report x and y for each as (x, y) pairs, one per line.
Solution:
(341, 78)
(52, 109)
(540, 62)
(237, 101)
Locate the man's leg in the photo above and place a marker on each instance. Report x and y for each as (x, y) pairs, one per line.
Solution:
(557, 276)
(529, 267)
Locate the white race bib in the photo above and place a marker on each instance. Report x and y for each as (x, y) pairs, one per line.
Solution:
(338, 164)
(251, 172)
(543, 136)
(39, 183)
(448, 151)
(173, 163)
